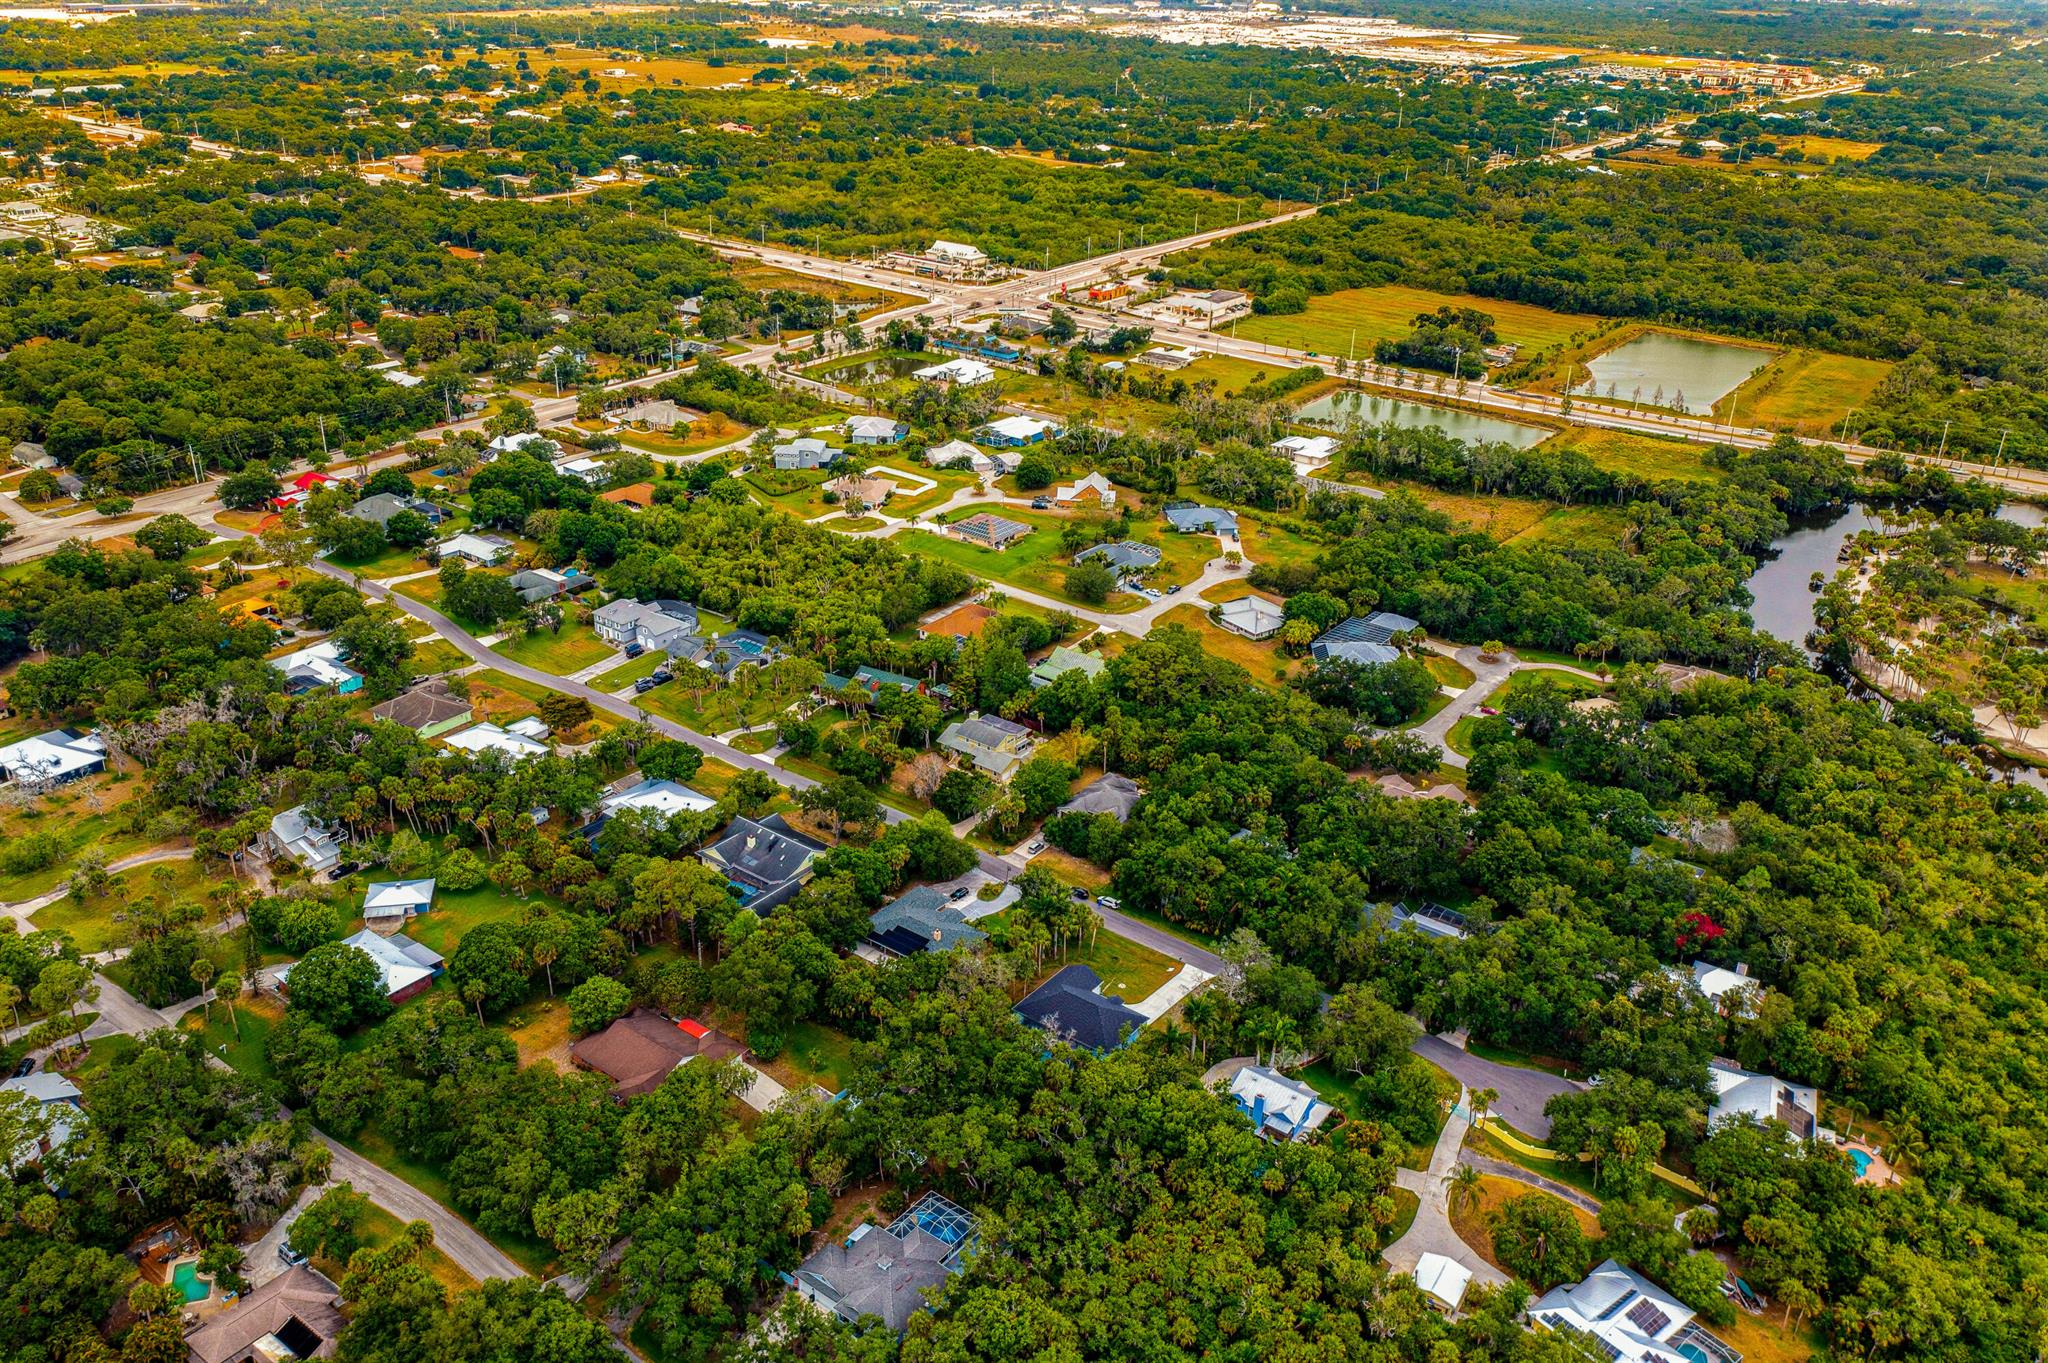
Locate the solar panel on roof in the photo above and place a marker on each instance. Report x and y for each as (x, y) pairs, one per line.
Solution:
(1648, 1317)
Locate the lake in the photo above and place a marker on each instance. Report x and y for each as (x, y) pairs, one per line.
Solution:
(1785, 604)
(1702, 372)
(1352, 406)
(876, 369)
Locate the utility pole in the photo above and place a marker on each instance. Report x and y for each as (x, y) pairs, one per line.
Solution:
(322, 418)
(1943, 451)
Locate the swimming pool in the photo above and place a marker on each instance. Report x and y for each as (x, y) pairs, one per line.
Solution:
(1861, 1159)
(185, 1277)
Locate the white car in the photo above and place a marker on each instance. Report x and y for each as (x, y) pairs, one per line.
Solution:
(1106, 902)
(1035, 848)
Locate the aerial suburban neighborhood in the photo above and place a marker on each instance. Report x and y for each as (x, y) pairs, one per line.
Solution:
(947, 683)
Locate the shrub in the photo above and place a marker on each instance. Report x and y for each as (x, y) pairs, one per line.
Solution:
(597, 1003)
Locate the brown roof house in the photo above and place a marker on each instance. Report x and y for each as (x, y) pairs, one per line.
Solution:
(641, 1049)
(297, 1314)
(427, 710)
(632, 494)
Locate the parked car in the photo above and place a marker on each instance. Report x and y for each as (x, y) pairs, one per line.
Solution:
(27, 1066)
(288, 1256)
(1037, 846)
(1106, 902)
(1040, 504)
(644, 685)
(1080, 896)
(633, 650)
(961, 893)
(1173, 589)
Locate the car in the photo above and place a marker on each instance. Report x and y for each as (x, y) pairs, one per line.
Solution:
(1173, 589)
(1040, 504)
(632, 650)
(643, 685)
(27, 1066)
(1106, 902)
(1080, 896)
(1037, 846)
(960, 893)
(288, 1256)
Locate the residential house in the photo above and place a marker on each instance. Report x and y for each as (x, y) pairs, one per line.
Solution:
(1110, 793)
(874, 430)
(990, 531)
(53, 758)
(643, 1048)
(513, 444)
(483, 738)
(650, 624)
(1093, 490)
(1063, 660)
(639, 495)
(1309, 453)
(1431, 920)
(1740, 1093)
(56, 1099)
(406, 968)
(389, 900)
(765, 862)
(30, 455)
(806, 452)
(656, 414)
(870, 680)
(296, 1315)
(583, 469)
(1072, 1005)
(963, 622)
(298, 834)
(996, 745)
(1125, 558)
(72, 486)
(862, 491)
(1015, 432)
(960, 371)
(661, 797)
(1443, 1281)
(1625, 1317)
(1724, 986)
(318, 667)
(1362, 640)
(536, 585)
(1281, 1109)
(939, 456)
(427, 710)
(485, 551)
(380, 508)
(884, 1271)
(922, 919)
(1213, 520)
(1252, 616)
(726, 654)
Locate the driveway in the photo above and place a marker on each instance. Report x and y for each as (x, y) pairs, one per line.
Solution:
(454, 1237)
(1523, 1092)
(1431, 1232)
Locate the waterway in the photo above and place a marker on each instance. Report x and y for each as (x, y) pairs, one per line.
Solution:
(1678, 367)
(1785, 600)
(1354, 407)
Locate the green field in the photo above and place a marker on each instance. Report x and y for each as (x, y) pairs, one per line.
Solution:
(91, 924)
(1260, 658)
(1631, 452)
(1129, 971)
(1033, 563)
(457, 912)
(1804, 391)
(1334, 322)
(570, 649)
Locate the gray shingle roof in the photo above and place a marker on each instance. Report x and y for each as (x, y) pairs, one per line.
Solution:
(1069, 1001)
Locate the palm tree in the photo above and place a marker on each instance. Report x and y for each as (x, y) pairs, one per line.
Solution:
(1461, 1187)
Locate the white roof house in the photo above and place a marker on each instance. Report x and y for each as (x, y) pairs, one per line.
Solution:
(663, 797)
(1717, 982)
(57, 756)
(488, 550)
(1282, 1109)
(403, 963)
(305, 839)
(962, 371)
(1095, 484)
(1252, 616)
(57, 1100)
(318, 665)
(508, 444)
(940, 455)
(1021, 430)
(481, 738)
(582, 470)
(1627, 1317)
(1443, 1280)
(958, 252)
(1309, 452)
(1742, 1093)
(397, 898)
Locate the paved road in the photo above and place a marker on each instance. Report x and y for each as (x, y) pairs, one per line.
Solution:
(1523, 1092)
(1486, 1164)
(453, 1236)
(1431, 1231)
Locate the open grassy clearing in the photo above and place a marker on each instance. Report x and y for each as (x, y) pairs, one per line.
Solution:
(1806, 391)
(1575, 527)
(459, 912)
(379, 1228)
(81, 815)
(1034, 563)
(714, 709)
(1631, 452)
(1473, 1220)
(1258, 657)
(1129, 971)
(603, 66)
(1331, 321)
(569, 649)
(92, 924)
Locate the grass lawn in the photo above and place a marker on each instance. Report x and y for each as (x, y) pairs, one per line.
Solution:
(541, 1031)
(456, 912)
(948, 484)
(239, 1042)
(1329, 323)
(1033, 563)
(91, 925)
(1570, 683)
(1807, 391)
(1448, 671)
(1406, 1205)
(379, 1228)
(1129, 971)
(712, 710)
(570, 649)
(625, 674)
(1473, 1220)
(392, 562)
(79, 816)
(436, 655)
(426, 590)
(1574, 527)
(800, 492)
(373, 1145)
(1646, 456)
(500, 698)
(1259, 657)
(821, 1055)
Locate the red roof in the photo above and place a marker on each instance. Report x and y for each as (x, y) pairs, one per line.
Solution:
(695, 1029)
(306, 482)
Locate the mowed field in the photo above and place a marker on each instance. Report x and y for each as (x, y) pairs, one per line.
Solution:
(1389, 311)
(640, 71)
(1805, 390)
(1647, 456)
